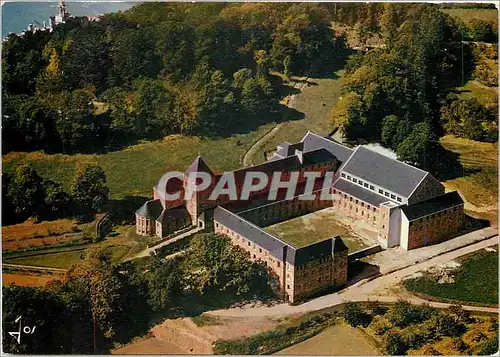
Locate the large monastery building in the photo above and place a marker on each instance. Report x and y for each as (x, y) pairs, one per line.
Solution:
(406, 207)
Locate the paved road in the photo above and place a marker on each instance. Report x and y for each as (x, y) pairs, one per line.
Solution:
(146, 252)
(361, 291)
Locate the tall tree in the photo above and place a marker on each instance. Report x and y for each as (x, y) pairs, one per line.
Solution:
(89, 189)
(26, 190)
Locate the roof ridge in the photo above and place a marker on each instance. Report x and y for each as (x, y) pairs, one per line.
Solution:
(350, 157)
(258, 228)
(402, 162)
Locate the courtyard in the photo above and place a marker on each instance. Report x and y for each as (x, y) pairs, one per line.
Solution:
(323, 224)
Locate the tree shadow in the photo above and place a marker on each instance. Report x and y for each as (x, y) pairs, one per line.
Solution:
(448, 165)
(123, 211)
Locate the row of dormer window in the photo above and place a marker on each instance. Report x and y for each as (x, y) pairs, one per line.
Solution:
(371, 187)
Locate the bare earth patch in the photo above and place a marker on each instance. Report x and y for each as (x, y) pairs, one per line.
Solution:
(26, 280)
(30, 234)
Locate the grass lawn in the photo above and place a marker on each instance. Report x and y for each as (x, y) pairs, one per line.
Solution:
(487, 96)
(476, 280)
(122, 243)
(315, 102)
(315, 227)
(135, 170)
(466, 15)
(65, 259)
(62, 260)
(479, 183)
(338, 340)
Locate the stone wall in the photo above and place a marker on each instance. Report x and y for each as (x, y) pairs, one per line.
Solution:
(319, 275)
(435, 228)
(276, 266)
(357, 209)
(429, 188)
(144, 226)
(273, 213)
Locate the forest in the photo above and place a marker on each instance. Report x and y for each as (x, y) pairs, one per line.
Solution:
(157, 69)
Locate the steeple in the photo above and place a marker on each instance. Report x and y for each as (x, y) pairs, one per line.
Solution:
(61, 10)
(199, 165)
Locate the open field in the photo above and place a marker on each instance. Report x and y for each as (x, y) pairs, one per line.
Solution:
(315, 101)
(338, 340)
(487, 96)
(122, 244)
(135, 170)
(25, 279)
(466, 15)
(318, 226)
(64, 259)
(29, 234)
(475, 280)
(479, 183)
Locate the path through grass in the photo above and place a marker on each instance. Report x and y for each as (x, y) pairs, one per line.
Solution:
(315, 101)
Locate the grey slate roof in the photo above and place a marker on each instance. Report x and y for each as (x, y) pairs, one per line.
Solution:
(173, 213)
(313, 142)
(199, 165)
(361, 193)
(433, 205)
(151, 209)
(315, 251)
(289, 163)
(381, 170)
(250, 231)
(275, 246)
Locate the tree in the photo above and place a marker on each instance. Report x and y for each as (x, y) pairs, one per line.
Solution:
(389, 24)
(481, 30)
(89, 189)
(394, 131)
(164, 282)
(354, 315)
(217, 265)
(394, 344)
(133, 55)
(40, 309)
(56, 200)
(465, 117)
(26, 190)
(420, 147)
(403, 313)
(97, 283)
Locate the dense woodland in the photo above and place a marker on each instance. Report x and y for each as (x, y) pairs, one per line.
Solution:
(401, 95)
(204, 69)
(157, 69)
(98, 303)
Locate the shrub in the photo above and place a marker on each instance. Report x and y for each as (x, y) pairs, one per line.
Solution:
(380, 325)
(394, 344)
(403, 313)
(354, 316)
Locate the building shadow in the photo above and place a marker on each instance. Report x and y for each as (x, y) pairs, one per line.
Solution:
(359, 270)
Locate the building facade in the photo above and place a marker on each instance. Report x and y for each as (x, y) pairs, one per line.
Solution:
(407, 207)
